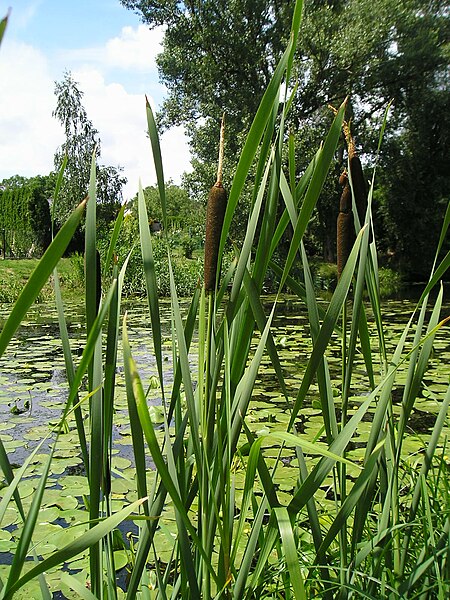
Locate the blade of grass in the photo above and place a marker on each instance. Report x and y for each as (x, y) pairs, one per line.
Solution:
(151, 284)
(75, 585)
(153, 445)
(327, 328)
(290, 552)
(321, 167)
(114, 238)
(252, 142)
(157, 159)
(3, 24)
(23, 545)
(70, 370)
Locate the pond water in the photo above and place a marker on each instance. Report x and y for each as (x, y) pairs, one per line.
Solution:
(33, 390)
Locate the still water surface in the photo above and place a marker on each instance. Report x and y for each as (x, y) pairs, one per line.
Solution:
(33, 390)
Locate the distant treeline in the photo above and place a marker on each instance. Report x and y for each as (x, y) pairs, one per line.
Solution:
(25, 223)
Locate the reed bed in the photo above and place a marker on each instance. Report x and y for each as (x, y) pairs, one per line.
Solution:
(385, 531)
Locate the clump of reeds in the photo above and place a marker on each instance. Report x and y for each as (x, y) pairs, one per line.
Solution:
(215, 213)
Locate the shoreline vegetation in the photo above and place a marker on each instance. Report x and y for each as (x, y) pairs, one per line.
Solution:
(14, 273)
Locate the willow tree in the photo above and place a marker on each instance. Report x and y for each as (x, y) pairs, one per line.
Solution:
(81, 140)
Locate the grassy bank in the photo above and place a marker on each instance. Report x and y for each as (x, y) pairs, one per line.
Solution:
(14, 274)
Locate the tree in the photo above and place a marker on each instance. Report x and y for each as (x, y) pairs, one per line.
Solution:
(81, 141)
(25, 214)
(218, 56)
(182, 212)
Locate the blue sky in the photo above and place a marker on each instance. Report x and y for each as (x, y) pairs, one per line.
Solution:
(111, 55)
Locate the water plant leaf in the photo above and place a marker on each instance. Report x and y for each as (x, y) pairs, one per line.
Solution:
(85, 541)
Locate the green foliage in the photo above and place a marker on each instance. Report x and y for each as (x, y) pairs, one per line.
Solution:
(415, 183)
(185, 236)
(391, 283)
(219, 56)
(187, 269)
(24, 216)
(182, 212)
(81, 141)
(325, 276)
(14, 274)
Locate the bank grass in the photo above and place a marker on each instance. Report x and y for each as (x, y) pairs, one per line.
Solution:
(369, 526)
(14, 274)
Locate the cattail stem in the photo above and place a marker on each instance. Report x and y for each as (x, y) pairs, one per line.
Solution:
(221, 150)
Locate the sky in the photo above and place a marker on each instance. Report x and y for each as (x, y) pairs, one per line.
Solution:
(112, 57)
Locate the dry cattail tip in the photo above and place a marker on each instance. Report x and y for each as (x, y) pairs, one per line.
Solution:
(356, 173)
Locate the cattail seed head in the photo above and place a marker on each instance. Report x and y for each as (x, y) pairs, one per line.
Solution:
(215, 213)
(345, 226)
(358, 182)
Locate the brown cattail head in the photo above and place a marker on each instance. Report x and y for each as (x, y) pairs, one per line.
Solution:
(356, 173)
(345, 226)
(215, 213)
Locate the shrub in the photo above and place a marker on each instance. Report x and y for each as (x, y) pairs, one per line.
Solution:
(391, 282)
(25, 219)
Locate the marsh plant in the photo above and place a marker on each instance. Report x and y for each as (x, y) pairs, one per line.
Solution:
(247, 513)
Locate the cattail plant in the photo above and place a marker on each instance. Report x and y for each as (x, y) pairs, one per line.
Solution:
(345, 221)
(345, 225)
(356, 175)
(215, 213)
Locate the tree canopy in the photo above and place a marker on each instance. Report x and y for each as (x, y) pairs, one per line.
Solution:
(218, 56)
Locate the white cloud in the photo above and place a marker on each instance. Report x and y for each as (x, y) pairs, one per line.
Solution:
(121, 120)
(31, 135)
(134, 49)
